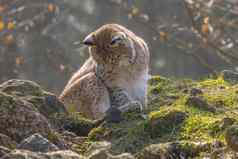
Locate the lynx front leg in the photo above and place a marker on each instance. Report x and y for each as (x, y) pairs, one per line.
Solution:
(121, 102)
(131, 106)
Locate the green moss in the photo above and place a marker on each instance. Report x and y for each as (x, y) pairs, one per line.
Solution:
(81, 148)
(163, 91)
(157, 80)
(130, 138)
(208, 83)
(164, 111)
(9, 102)
(71, 108)
(157, 85)
(220, 126)
(198, 128)
(53, 137)
(74, 122)
(183, 149)
(130, 135)
(97, 133)
(166, 121)
(226, 97)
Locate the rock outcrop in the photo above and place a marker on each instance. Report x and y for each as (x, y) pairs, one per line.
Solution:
(20, 119)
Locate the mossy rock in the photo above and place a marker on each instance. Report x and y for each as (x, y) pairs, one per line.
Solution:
(20, 119)
(75, 122)
(164, 91)
(47, 103)
(21, 88)
(155, 80)
(64, 154)
(165, 121)
(4, 151)
(7, 142)
(101, 150)
(97, 134)
(200, 103)
(157, 84)
(231, 137)
(220, 126)
(174, 150)
(129, 135)
(230, 76)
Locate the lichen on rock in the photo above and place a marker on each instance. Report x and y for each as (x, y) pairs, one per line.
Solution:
(46, 102)
(19, 119)
(17, 154)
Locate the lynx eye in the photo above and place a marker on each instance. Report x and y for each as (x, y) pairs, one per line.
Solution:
(115, 40)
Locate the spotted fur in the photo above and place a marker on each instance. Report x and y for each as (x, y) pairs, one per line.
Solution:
(121, 66)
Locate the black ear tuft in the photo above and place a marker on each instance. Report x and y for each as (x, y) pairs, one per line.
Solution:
(115, 40)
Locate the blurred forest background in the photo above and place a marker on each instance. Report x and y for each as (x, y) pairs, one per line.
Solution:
(187, 38)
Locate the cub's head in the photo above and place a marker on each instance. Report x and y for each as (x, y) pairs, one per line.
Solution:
(112, 44)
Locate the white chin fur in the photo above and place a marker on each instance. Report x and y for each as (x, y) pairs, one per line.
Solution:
(140, 88)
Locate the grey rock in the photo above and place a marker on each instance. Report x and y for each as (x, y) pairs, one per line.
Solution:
(230, 76)
(226, 122)
(103, 145)
(21, 88)
(171, 150)
(195, 92)
(99, 154)
(122, 156)
(231, 137)
(25, 154)
(100, 150)
(166, 122)
(199, 103)
(4, 151)
(7, 141)
(20, 119)
(75, 123)
(46, 103)
(104, 154)
(37, 143)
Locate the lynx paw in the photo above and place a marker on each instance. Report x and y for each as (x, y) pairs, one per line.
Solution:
(134, 106)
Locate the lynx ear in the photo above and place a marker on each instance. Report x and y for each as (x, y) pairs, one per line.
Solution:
(117, 38)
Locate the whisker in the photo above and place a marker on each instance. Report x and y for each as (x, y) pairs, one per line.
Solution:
(78, 43)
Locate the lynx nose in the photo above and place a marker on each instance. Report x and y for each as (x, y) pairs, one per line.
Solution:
(89, 40)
